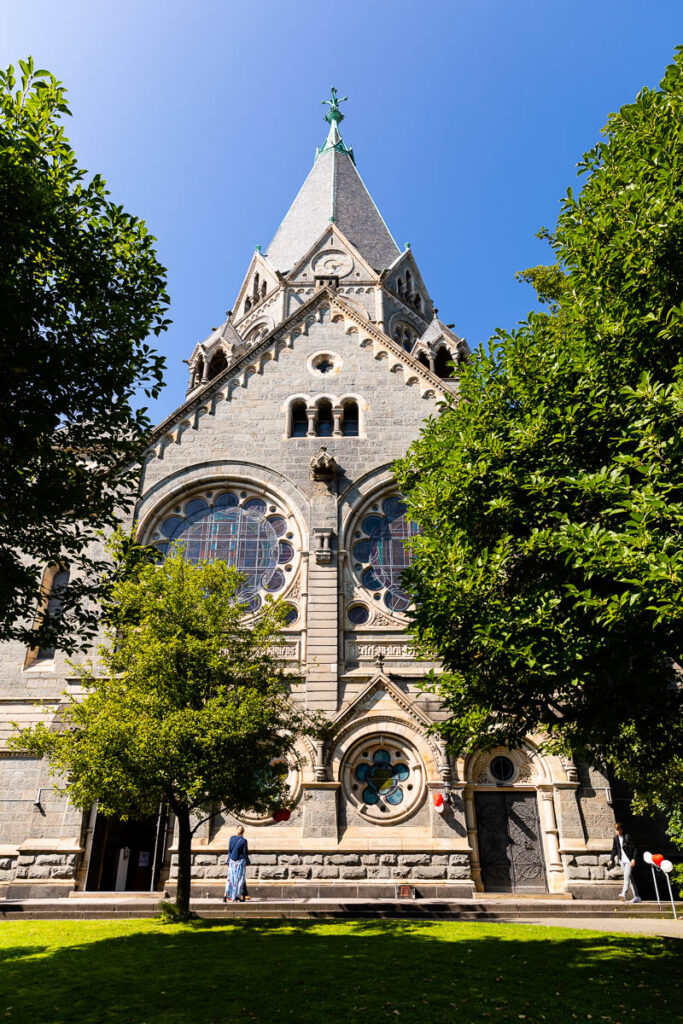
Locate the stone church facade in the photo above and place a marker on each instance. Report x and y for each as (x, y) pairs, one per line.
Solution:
(280, 460)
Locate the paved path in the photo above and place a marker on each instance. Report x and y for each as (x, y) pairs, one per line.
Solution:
(630, 925)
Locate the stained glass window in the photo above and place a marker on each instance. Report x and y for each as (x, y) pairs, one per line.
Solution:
(234, 529)
(383, 779)
(381, 555)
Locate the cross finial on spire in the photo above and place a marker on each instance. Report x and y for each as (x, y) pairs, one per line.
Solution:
(334, 113)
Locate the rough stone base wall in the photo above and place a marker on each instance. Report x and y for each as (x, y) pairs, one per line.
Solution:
(591, 866)
(40, 866)
(267, 867)
(7, 868)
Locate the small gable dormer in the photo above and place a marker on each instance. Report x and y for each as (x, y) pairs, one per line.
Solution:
(213, 355)
(404, 283)
(440, 349)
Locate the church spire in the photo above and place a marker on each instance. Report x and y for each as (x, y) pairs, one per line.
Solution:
(334, 193)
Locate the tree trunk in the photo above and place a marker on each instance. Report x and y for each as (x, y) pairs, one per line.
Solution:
(182, 899)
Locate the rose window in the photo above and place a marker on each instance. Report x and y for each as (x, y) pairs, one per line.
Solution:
(380, 554)
(383, 780)
(250, 533)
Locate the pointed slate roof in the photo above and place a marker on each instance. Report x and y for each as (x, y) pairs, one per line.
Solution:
(333, 192)
(437, 329)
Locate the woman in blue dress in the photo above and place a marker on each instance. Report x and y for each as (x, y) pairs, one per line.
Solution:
(238, 858)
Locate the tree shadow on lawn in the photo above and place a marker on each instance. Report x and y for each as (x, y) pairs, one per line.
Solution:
(313, 972)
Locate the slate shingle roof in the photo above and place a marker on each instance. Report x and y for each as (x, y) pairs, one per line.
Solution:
(333, 190)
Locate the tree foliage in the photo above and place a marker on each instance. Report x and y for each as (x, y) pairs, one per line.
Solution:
(80, 292)
(549, 573)
(187, 706)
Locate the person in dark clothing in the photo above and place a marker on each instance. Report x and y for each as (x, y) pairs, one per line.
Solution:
(238, 858)
(624, 853)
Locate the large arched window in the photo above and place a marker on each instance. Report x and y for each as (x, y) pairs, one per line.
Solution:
(422, 358)
(252, 533)
(55, 583)
(298, 422)
(350, 420)
(325, 420)
(380, 553)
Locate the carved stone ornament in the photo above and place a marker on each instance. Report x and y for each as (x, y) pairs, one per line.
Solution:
(323, 546)
(323, 465)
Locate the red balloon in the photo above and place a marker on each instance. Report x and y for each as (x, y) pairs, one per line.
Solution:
(438, 799)
(657, 858)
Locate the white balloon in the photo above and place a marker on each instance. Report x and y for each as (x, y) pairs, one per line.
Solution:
(647, 857)
(666, 866)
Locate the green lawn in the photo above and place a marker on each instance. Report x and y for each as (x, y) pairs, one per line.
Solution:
(144, 972)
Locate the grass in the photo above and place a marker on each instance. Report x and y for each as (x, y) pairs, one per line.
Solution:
(144, 972)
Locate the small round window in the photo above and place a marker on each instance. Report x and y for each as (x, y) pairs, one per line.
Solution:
(502, 769)
(324, 364)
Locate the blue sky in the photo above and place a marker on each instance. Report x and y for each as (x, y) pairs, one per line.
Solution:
(467, 119)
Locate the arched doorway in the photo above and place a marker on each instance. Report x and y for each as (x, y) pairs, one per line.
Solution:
(507, 822)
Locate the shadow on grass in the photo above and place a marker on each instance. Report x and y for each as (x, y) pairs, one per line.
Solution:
(310, 972)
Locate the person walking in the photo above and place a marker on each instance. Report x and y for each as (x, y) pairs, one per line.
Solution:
(624, 853)
(238, 858)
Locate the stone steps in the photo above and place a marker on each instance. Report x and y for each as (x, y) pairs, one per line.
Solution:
(496, 909)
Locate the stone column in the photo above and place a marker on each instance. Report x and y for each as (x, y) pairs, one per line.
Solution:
(551, 836)
(323, 587)
(310, 413)
(470, 821)
(336, 416)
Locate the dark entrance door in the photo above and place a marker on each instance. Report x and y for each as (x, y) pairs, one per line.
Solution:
(123, 854)
(510, 849)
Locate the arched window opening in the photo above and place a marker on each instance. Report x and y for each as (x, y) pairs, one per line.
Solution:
(256, 287)
(325, 419)
(264, 289)
(298, 420)
(197, 373)
(247, 304)
(217, 364)
(408, 341)
(399, 286)
(350, 419)
(442, 366)
(418, 301)
(422, 358)
(409, 282)
(54, 606)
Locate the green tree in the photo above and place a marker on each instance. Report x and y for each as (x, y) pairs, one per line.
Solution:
(80, 292)
(549, 573)
(187, 706)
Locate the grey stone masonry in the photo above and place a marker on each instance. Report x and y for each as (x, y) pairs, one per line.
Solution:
(342, 866)
(591, 866)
